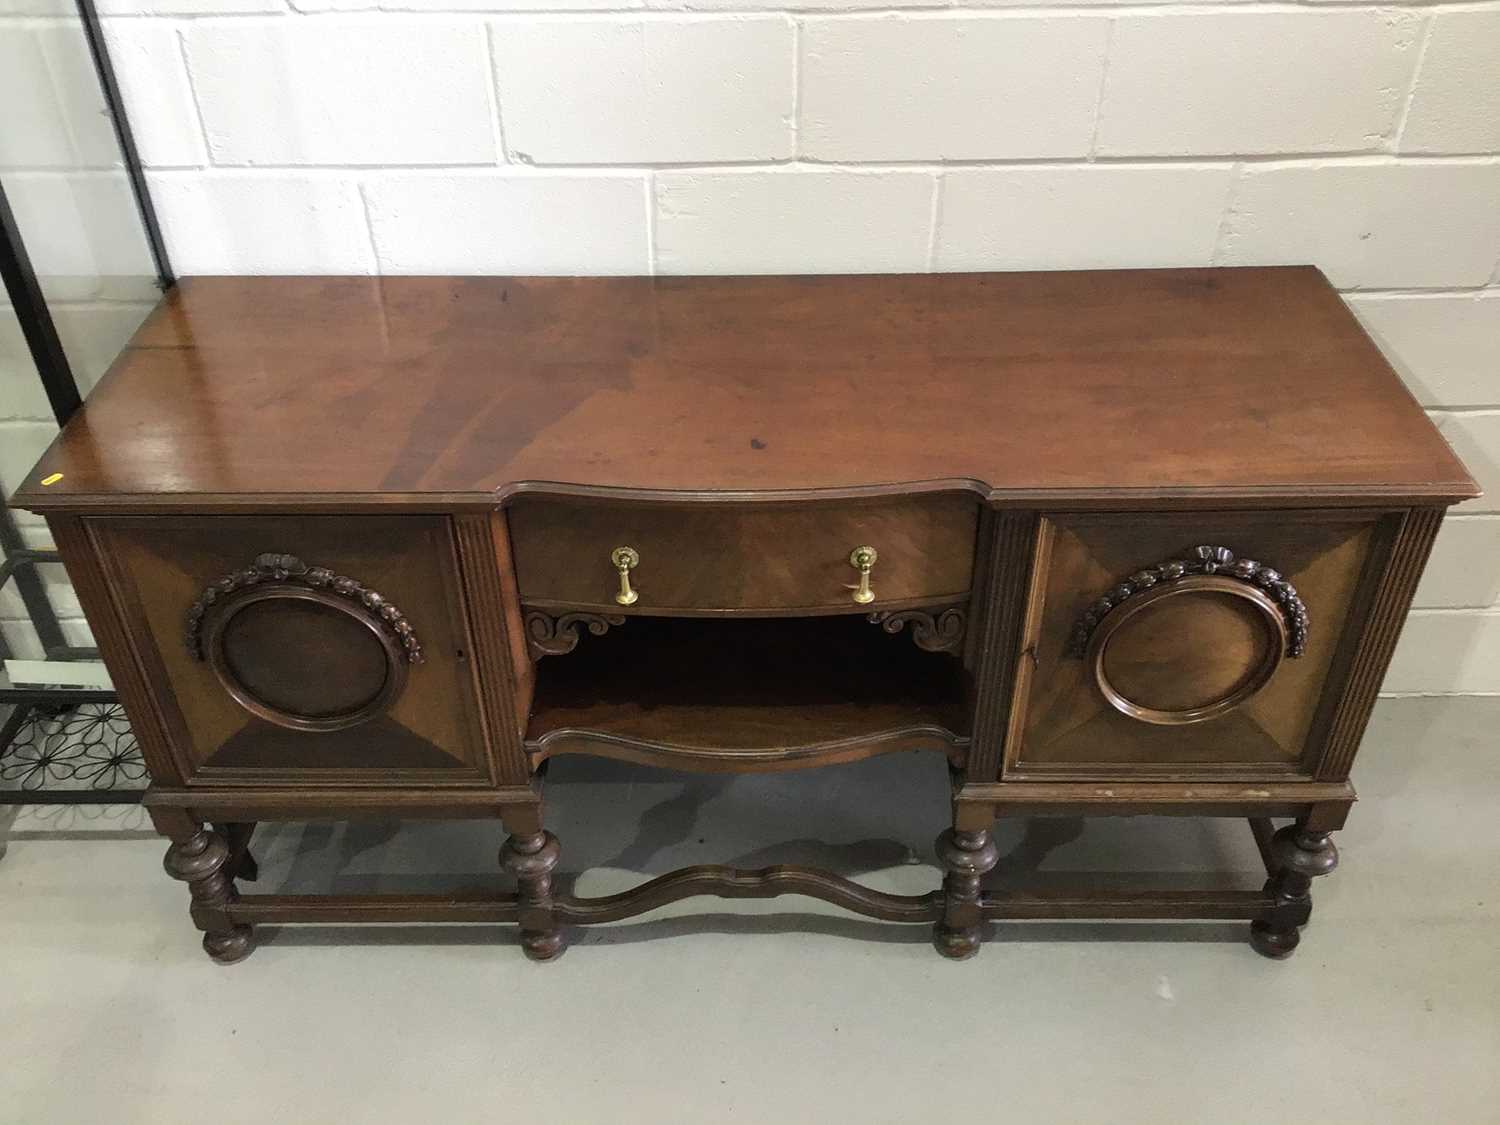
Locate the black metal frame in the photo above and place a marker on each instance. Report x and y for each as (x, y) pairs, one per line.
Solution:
(105, 69)
(31, 705)
(36, 322)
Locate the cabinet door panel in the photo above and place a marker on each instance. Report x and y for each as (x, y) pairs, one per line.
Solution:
(1189, 643)
(303, 649)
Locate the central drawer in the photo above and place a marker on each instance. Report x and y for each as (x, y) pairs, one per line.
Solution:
(711, 557)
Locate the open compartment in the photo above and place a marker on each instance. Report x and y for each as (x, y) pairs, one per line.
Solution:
(747, 693)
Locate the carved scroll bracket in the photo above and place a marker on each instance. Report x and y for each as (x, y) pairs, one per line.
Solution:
(554, 636)
(290, 570)
(943, 632)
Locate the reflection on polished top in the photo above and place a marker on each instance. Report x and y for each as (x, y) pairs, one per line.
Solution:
(1186, 386)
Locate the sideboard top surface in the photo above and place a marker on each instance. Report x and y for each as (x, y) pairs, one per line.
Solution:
(1197, 386)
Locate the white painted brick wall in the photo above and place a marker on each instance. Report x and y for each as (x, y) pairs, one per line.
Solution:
(34, 7)
(1370, 226)
(85, 241)
(293, 92)
(1455, 106)
(790, 221)
(1443, 651)
(21, 394)
(1476, 436)
(667, 91)
(1255, 82)
(187, 7)
(52, 111)
(238, 222)
(153, 78)
(949, 88)
(1080, 216)
(1446, 346)
(36, 132)
(1457, 574)
(518, 223)
(680, 136)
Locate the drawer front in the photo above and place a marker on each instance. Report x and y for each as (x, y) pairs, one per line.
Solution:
(1191, 643)
(705, 558)
(302, 650)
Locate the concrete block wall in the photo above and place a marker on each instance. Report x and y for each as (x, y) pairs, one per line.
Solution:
(709, 136)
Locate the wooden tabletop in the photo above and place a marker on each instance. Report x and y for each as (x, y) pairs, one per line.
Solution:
(1175, 386)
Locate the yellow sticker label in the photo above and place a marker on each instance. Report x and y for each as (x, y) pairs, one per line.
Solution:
(53, 479)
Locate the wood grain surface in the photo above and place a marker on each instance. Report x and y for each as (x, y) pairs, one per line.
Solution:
(333, 393)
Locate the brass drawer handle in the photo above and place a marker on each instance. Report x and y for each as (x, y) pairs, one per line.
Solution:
(624, 560)
(863, 560)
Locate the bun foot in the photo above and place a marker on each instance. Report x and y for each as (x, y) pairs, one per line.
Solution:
(1298, 856)
(228, 946)
(543, 947)
(201, 859)
(1275, 944)
(956, 944)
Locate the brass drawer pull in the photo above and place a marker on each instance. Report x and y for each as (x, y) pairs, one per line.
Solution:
(863, 560)
(624, 560)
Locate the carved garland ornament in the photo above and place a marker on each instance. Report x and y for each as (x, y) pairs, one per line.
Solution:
(289, 569)
(943, 632)
(1205, 560)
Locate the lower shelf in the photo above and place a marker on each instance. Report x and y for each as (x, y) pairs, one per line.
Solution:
(687, 882)
(727, 695)
(771, 882)
(957, 907)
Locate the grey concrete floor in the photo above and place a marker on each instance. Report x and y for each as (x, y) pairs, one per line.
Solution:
(781, 1011)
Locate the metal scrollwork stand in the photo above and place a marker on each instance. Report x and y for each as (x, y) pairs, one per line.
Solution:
(59, 745)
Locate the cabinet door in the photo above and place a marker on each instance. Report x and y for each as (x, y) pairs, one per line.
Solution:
(1192, 643)
(302, 650)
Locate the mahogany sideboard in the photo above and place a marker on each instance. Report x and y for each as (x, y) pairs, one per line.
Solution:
(1103, 543)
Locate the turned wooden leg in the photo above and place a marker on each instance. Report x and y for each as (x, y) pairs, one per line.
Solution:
(199, 859)
(531, 858)
(966, 856)
(1299, 855)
